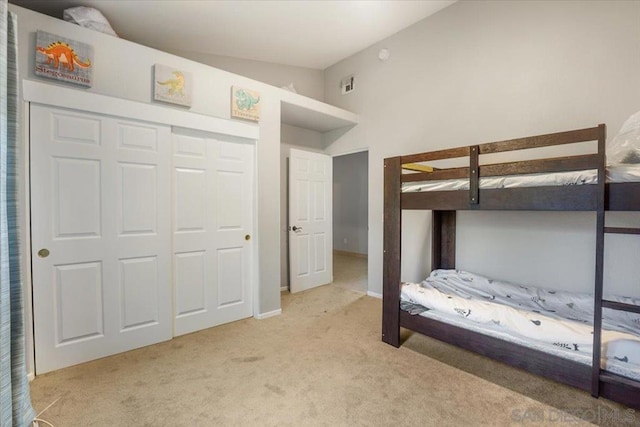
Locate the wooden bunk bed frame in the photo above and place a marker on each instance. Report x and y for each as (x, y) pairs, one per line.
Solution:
(444, 204)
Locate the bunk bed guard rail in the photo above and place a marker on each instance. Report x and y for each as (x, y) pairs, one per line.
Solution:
(524, 198)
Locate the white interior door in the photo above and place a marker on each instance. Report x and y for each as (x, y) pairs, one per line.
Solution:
(100, 235)
(310, 220)
(213, 209)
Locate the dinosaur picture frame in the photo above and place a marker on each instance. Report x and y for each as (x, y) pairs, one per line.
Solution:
(63, 59)
(172, 85)
(245, 103)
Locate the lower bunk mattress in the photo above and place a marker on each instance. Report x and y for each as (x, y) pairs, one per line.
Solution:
(556, 322)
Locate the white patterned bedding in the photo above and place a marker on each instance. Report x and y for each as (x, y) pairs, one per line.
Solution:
(553, 321)
(615, 173)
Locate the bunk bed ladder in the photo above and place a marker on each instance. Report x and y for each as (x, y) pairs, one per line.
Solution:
(603, 375)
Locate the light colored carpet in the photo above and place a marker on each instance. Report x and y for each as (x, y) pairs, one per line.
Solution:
(321, 363)
(350, 272)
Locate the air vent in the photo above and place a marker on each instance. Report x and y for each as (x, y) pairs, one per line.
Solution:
(346, 84)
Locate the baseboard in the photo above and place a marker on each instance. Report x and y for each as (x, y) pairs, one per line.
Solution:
(374, 294)
(268, 314)
(31, 376)
(284, 288)
(353, 254)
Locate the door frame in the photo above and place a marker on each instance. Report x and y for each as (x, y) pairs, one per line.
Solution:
(368, 151)
(286, 195)
(63, 97)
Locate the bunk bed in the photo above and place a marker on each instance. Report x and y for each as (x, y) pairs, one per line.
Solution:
(577, 183)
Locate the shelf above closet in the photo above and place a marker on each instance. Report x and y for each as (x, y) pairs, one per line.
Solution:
(303, 112)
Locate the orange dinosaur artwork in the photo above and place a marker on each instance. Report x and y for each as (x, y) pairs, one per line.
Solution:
(61, 53)
(63, 59)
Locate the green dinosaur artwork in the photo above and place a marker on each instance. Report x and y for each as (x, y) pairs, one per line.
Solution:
(245, 101)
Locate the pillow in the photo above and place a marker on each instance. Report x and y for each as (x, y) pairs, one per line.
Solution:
(624, 148)
(88, 17)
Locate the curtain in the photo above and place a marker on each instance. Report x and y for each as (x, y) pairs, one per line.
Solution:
(15, 401)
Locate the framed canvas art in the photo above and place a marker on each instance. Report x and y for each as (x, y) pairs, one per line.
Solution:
(63, 59)
(172, 85)
(245, 103)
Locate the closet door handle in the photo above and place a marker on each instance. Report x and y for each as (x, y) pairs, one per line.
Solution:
(296, 229)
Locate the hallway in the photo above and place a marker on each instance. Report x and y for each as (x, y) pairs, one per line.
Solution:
(350, 271)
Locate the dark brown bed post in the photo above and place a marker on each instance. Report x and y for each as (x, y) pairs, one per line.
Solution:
(599, 276)
(443, 242)
(391, 259)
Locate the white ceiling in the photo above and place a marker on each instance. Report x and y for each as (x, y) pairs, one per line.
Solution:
(305, 33)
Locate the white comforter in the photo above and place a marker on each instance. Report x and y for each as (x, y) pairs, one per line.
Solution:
(561, 319)
(615, 173)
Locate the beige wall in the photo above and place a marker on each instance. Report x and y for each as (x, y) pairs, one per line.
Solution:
(484, 71)
(306, 81)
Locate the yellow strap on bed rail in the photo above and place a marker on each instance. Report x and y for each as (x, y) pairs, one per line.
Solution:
(417, 167)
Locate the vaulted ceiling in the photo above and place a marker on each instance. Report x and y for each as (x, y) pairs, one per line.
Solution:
(304, 33)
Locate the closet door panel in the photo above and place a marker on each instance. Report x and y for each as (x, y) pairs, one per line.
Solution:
(100, 235)
(139, 289)
(213, 219)
(190, 283)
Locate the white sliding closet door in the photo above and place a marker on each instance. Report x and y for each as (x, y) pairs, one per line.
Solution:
(100, 212)
(213, 220)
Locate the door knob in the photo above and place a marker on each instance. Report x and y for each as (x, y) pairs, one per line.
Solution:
(296, 229)
(247, 237)
(43, 253)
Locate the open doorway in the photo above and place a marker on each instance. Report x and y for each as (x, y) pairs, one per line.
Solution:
(350, 220)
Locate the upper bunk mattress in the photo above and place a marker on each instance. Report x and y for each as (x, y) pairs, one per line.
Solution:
(615, 173)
